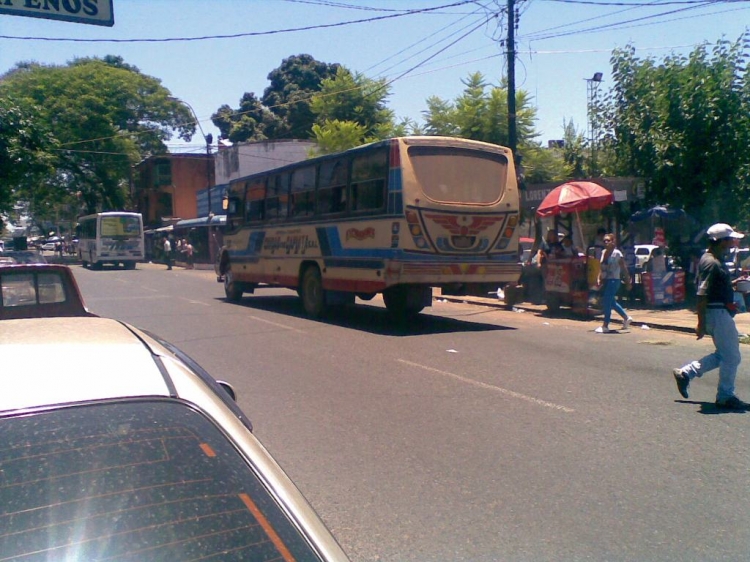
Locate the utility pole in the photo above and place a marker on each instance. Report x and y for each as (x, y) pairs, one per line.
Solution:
(512, 134)
(209, 138)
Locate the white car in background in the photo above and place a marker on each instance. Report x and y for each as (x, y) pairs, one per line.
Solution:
(49, 244)
(643, 253)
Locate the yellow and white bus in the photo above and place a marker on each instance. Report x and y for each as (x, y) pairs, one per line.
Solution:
(398, 217)
(115, 237)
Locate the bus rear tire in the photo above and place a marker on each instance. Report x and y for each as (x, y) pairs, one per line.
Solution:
(397, 302)
(313, 295)
(129, 265)
(553, 302)
(232, 289)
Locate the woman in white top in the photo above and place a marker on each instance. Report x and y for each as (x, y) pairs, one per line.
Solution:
(612, 268)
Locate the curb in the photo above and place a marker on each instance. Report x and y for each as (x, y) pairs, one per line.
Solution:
(499, 304)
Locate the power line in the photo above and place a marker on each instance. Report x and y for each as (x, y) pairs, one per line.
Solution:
(470, 25)
(239, 35)
(617, 25)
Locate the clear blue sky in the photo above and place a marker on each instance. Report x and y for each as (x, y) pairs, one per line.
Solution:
(560, 44)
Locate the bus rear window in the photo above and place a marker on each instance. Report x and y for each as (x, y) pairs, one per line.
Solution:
(120, 226)
(459, 175)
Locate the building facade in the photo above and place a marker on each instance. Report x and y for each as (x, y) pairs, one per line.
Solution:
(165, 187)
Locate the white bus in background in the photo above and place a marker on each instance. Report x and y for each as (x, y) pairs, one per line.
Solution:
(114, 238)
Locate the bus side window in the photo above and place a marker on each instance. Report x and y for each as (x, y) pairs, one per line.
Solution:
(303, 192)
(255, 209)
(331, 198)
(234, 213)
(277, 198)
(369, 174)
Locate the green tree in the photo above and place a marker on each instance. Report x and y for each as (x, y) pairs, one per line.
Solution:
(26, 152)
(481, 113)
(353, 98)
(335, 136)
(106, 116)
(291, 88)
(251, 122)
(683, 124)
(574, 150)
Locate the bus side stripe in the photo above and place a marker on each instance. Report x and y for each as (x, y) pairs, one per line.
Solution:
(354, 263)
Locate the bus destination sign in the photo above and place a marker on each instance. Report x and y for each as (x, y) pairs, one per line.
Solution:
(94, 12)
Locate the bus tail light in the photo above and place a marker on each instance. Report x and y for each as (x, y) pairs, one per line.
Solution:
(395, 155)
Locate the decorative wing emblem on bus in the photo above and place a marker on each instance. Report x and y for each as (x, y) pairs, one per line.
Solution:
(464, 231)
(451, 223)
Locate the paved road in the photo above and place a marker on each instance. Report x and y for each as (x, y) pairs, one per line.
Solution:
(477, 433)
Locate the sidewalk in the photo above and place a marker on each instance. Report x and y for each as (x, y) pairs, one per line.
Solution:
(667, 318)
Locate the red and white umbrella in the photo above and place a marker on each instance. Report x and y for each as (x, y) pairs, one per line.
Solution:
(573, 197)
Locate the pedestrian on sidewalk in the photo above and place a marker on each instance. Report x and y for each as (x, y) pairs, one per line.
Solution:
(611, 272)
(189, 254)
(167, 252)
(716, 310)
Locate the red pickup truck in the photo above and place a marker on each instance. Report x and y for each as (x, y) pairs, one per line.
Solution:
(38, 291)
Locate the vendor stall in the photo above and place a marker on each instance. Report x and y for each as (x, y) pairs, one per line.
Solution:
(664, 288)
(567, 280)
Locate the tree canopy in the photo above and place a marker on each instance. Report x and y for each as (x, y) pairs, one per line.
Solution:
(26, 151)
(351, 110)
(480, 112)
(284, 110)
(683, 124)
(105, 116)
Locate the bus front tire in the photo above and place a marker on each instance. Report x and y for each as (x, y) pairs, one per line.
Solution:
(232, 289)
(313, 295)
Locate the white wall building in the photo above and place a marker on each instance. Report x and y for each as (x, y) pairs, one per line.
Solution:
(244, 159)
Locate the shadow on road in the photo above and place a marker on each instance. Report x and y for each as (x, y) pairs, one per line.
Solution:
(710, 408)
(367, 318)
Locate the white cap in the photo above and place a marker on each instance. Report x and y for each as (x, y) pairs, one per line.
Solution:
(721, 230)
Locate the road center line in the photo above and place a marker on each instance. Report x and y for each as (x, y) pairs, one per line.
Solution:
(191, 301)
(494, 388)
(278, 325)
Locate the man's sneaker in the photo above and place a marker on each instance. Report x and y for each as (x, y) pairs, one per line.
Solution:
(733, 403)
(626, 323)
(603, 330)
(683, 382)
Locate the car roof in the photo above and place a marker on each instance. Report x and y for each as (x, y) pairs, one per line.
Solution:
(60, 363)
(54, 291)
(67, 360)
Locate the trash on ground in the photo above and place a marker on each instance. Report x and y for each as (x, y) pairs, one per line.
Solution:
(451, 351)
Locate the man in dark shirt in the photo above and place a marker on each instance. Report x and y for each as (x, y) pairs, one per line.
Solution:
(716, 310)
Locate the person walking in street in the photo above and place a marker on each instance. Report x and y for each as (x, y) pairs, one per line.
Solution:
(189, 254)
(167, 252)
(612, 269)
(716, 309)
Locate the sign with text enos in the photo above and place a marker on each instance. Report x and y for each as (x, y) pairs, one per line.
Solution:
(94, 12)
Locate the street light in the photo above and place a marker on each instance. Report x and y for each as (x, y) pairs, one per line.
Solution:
(591, 87)
(209, 139)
